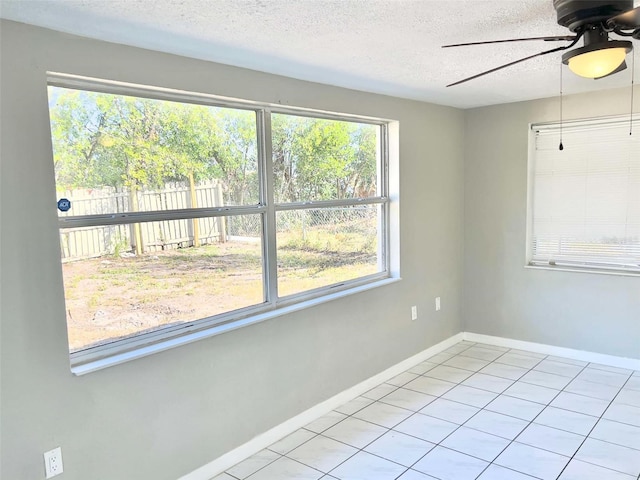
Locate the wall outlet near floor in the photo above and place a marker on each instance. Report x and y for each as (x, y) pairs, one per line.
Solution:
(53, 462)
(437, 303)
(414, 312)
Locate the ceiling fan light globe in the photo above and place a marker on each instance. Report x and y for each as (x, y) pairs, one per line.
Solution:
(598, 63)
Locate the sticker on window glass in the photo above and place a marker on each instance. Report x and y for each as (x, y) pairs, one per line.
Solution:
(64, 204)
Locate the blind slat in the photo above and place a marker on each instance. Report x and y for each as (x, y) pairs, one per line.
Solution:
(586, 198)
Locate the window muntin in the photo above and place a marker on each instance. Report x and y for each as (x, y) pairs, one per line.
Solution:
(585, 200)
(168, 224)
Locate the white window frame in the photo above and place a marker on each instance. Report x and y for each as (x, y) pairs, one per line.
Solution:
(101, 356)
(560, 264)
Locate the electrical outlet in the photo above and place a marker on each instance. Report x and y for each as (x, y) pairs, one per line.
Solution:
(414, 312)
(437, 303)
(53, 462)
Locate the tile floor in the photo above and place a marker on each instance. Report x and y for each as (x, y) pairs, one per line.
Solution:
(474, 411)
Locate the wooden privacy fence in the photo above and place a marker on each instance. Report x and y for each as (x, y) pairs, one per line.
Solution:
(88, 242)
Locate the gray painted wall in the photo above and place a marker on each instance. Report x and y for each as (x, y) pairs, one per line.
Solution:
(165, 415)
(593, 312)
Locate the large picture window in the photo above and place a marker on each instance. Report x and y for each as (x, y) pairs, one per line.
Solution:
(189, 211)
(584, 200)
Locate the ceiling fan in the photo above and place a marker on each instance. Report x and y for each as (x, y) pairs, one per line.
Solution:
(590, 20)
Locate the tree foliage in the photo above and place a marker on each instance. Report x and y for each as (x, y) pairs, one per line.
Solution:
(112, 140)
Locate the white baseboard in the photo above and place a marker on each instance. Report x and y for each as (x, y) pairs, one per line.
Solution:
(620, 362)
(262, 441)
(253, 446)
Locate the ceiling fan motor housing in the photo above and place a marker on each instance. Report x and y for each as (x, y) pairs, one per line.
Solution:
(574, 14)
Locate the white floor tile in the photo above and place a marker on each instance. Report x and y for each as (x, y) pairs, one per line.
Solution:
(364, 466)
(515, 407)
(633, 383)
(566, 420)
(533, 393)
(605, 377)
(380, 391)
(446, 464)
(628, 396)
(569, 361)
(400, 448)
(475, 443)
(527, 353)
(492, 347)
(383, 414)
(466, 363)
(609, 368)
(623, 413)
(413, 475)
(482, 353)
(423, 367)
(430, 386)
(577, 470)
(286, 469)
(565, 369)
(449, 374)
(355, 432)
(496, 472)
(400, 380)
(354, 405)
(505, 371)
(532, 461)
(329, 420)
(322, 453)
(543, 379)
(453, 412)
(618, 433)
(290, 442)
(580, 404)
(470, 396)
(488, 382)
(607, 455)
(427, 428)
(552, 439)
(253, 464)
(408, 399)
(440, 357)
(457, 348)
(518, 360)
(224, 476)
(497, 424)
(592, 389)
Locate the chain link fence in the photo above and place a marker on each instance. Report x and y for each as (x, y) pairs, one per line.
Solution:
(357, 220)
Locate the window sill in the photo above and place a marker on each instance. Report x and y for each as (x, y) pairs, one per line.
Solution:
(564, 268)
(118, 358)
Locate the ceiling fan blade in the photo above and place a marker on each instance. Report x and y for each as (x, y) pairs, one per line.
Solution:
(623, 66)
(507, 65)
(559, 49)
(561, 38)
(629, 19)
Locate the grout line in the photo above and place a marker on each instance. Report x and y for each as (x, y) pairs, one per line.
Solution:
(480, 409)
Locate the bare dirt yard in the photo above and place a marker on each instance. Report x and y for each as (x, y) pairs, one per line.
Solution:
(114, 297)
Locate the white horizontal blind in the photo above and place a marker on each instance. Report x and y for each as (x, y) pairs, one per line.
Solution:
(585, 209)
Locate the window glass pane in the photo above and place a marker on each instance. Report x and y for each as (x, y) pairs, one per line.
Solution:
(113, 290)
(116, 153)
(320, 247)
(319, 159)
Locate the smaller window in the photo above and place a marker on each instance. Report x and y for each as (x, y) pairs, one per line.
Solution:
(584, 200)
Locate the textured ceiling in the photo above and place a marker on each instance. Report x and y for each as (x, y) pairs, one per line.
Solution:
(382, 46)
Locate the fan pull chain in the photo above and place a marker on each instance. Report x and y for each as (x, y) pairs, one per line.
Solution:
(561, 147)
(633, 74)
